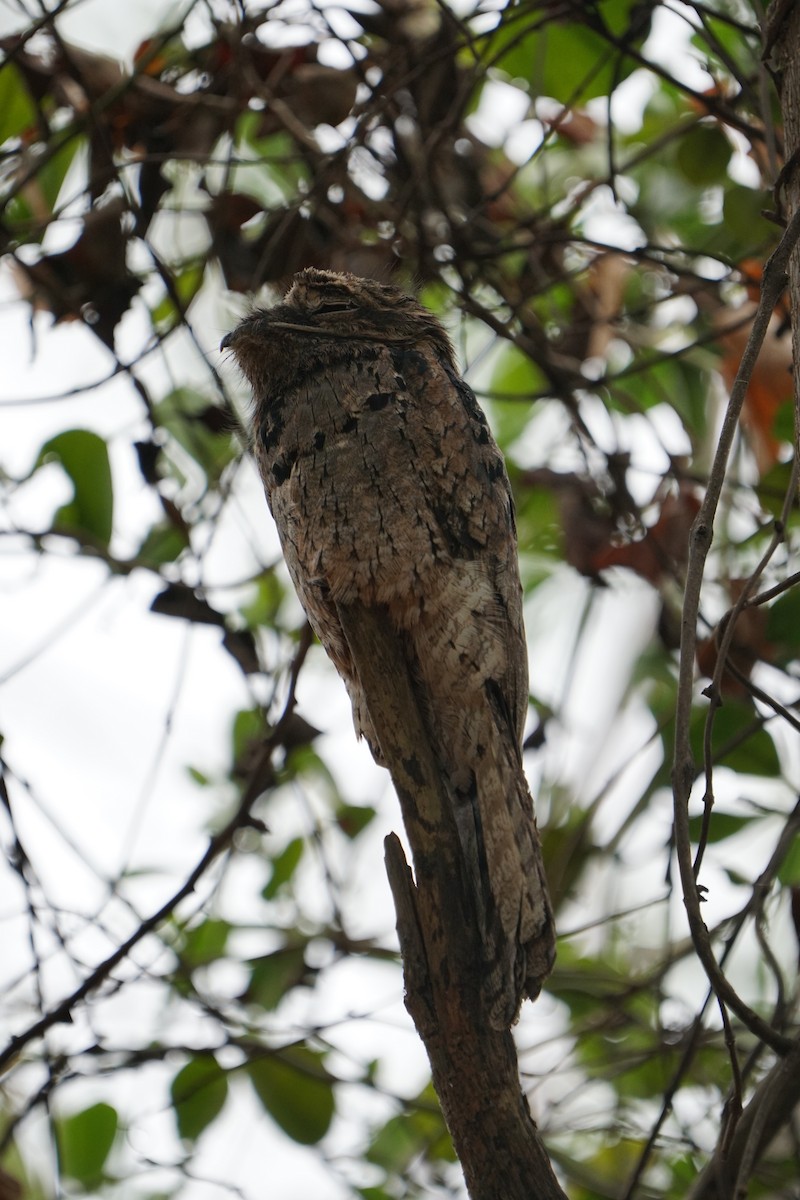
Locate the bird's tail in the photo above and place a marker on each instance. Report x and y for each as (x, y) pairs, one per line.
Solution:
(515, 914)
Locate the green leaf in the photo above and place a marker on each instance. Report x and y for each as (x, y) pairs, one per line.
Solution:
(200, 427)
(789, 872)
(199, 777)
(249, 729)
(283, 867)
(783, 620)
(50, 177)
(262, 607)
(198, 1091)
(611, 1162)
(162, 544)
(737, 878)
(663, 110)
(630, 1051)
(568, 61)
(84, 1142)
(395, 1145)
(17, 111)
(539, 528)
(772, 488)
(286, 168)
(167, 313)
(684, 1173)
(295, 1089)
(205, 943)
(667, 198)
(783, 423)
(273, 975)
(508, 419)
(304, 762)
(515, 381)
(352, 819)
(677, 382)
(24, 211)
(722, 46)
(746, 228)
(739, 740)
(84, 457)
(703, 154)
(419, 1132)
(722, 825)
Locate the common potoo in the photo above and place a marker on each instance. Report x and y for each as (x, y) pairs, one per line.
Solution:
(388, 489)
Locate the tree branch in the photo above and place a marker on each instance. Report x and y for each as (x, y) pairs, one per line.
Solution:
(220, 842)
(770, 1106)
(684, 767)
(474, 1067)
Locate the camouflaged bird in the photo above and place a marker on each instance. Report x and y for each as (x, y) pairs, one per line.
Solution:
(388, 489)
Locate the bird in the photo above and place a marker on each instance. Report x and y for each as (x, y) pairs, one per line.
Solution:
(388, 490)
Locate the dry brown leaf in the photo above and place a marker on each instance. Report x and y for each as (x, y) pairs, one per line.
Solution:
(663, 550)
(749, 645)
(771, 385)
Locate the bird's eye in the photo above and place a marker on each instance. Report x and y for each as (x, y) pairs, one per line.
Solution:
(332, 306)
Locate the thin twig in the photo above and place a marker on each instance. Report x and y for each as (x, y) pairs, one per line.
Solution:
(221, 841)
(684, 769)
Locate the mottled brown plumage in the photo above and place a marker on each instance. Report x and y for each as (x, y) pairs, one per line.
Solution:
(388, 489)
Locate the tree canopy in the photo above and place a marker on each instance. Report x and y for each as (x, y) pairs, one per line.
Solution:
(201, 975)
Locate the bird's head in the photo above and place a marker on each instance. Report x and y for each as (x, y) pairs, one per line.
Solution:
(334, 309)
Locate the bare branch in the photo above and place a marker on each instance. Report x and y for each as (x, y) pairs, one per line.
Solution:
(684, 769)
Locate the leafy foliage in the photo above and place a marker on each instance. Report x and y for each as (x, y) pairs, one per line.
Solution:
(296, 1091)
(85, 1139)
(199, 1092)
(585, 193)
